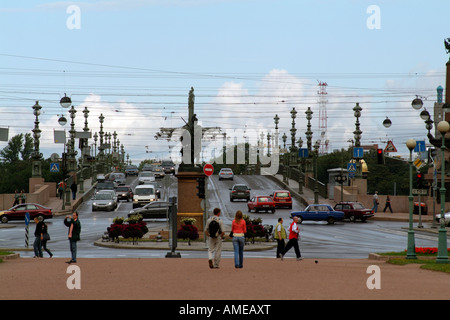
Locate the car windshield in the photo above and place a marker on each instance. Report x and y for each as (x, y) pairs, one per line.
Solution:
(105, 185)
(240, 188)
(358, 205)
(282, 195)
(265, 199)
(103, 196)
(122, 189)
(147, 174)
(144, 191)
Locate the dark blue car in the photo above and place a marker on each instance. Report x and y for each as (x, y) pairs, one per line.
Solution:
(319, 212)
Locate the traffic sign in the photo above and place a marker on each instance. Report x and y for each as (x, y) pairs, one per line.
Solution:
(54, 167)
(208, 169)
(27, 218)
(358, 152)
(390, 147)
(351, 167)
(422, 192)
(420, 146)
(303, 153)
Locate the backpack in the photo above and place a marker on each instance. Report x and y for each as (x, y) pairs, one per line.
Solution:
(213, 228)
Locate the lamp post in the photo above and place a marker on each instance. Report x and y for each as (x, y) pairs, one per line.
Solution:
(442, 256)
(37, 156)
(411, 253)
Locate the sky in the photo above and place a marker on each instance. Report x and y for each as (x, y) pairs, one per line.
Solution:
(247, 60)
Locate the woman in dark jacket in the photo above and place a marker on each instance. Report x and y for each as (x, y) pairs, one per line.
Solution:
(45, 238)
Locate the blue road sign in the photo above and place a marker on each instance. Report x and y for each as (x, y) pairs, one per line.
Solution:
(54, 167)
(27, 218)
(420, 146)
(351, 167)
(303, 153)
(358, 152)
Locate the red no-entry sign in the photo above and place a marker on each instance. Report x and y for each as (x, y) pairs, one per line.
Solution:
(208, 169)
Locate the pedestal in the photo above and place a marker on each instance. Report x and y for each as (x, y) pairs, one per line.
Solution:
(188, 201)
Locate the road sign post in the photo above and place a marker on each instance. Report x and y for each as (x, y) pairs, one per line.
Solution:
(27, 222)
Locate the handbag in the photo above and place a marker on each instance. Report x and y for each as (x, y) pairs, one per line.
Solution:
(46, 237)
(231, 234)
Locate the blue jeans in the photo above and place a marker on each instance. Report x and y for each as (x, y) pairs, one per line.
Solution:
(238, 245)
(37, 246)
(73, 249)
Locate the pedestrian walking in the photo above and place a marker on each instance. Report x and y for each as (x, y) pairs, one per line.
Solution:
(38, 234)
(239, 229)
(23, 196)
(61, 189)
(388, 204)
(45, 238)
(74, 225)
(375, 202)
(215, 232)
(279, 234)
(16, 198)
(73, 187)
(294, 232)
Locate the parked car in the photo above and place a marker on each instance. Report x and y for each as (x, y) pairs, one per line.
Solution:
(103, 201)
(168, 166)
(124, 192)
(446, 218)
(354, 210)
(282, 198)
(226, 173)
(156, 209)
(240, 191)
(261, 203)
(131, 171)
(319, 212)
(18, 212)
(146, 177)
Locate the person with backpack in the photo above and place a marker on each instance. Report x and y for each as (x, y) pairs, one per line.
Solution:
(215, 231)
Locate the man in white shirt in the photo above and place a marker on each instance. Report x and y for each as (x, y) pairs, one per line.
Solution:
(294, 232)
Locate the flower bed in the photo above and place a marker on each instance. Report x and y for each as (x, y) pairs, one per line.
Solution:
(135, 228)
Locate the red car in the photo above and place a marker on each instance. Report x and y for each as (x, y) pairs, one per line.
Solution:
(261, 203)
(354, 210)
(282, 198)
(18, 212)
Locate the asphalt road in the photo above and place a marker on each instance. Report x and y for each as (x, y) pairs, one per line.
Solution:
(318, 239)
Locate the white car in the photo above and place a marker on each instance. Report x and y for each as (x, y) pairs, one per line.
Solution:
(146, 177)
(226, 173)
(446, 218)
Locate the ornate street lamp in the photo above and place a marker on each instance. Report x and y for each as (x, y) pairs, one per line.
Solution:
(37, 155)
(411, 253)
(293, 130)
(442, 256)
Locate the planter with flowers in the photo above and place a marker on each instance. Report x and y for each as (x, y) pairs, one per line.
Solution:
(134, 228)
(188, 230)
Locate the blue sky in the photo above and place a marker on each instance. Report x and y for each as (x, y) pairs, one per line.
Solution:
(135, 61)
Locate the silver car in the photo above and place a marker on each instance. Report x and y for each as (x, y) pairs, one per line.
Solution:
(104, 200)
(226, 173)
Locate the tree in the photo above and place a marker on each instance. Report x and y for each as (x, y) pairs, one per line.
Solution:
(21, 145)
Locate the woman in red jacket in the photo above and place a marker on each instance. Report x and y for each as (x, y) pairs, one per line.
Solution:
(239, 228)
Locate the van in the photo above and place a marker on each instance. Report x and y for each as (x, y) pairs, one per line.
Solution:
(144, 194)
